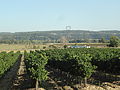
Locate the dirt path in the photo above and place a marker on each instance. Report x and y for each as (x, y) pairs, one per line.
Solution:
(21, 81)
(6, 81)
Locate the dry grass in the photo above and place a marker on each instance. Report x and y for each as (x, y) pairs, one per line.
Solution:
(20, 47)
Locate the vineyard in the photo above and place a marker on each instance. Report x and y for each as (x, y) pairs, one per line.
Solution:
(79, 63)
(64, 69)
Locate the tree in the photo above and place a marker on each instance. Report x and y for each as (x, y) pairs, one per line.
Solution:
(63, 39)
(65, 46)
(87, 40)
(102, 40)
(114, 41)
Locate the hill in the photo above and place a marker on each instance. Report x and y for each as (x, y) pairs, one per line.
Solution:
(57, 35)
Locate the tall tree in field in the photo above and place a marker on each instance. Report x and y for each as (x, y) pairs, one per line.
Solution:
(63, 39)
(114, 41)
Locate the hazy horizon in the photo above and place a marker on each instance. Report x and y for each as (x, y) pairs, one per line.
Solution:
(59, 30)
(49, 15)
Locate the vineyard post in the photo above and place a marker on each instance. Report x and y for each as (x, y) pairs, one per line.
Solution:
(85, 81)
(37, 84)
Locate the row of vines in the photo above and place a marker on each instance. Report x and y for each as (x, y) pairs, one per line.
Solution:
(80, 62)
(35, 65)
(104, 59)
(7, 60)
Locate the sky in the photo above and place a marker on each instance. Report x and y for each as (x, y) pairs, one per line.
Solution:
(44, 15)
